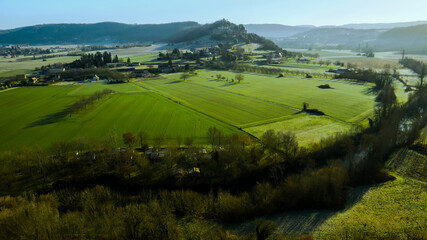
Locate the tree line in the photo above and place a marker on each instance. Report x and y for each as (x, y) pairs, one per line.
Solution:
(94, 60)
(85, 101)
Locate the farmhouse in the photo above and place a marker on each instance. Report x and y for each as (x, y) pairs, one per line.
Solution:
(33, 81)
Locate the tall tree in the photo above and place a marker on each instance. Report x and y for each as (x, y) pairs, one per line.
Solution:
(239, 77)
(129, 139)
(116, 59)
(143, 139)
(422, 74)
(185, 76)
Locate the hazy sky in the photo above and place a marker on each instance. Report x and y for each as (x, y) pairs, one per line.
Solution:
(17, 13)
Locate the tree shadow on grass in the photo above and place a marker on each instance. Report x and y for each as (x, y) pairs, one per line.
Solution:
(301, 222)
(371, 91)
(228, 84)
(48, 119)
(174, 82)
(311, 112)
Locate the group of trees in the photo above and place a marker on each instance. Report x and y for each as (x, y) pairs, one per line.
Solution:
(94, 60)
(417, 66)
(85, 101)
(195, 55)
(14, 51)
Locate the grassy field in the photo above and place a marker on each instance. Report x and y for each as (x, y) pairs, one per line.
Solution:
(392, 208)
(29, 109)
(263, 102)
(8, 64)
(346, 101)
(230, 107)
(145, 58)
(308, 129)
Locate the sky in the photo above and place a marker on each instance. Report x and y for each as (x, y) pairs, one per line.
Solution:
(19, 13)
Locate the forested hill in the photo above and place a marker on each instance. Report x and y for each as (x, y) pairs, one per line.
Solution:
(224, 31)
(116, 33)
(106, 32)
(412, 39)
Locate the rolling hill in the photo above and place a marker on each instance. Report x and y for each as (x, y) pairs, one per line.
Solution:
(276, 30)
(99, 33)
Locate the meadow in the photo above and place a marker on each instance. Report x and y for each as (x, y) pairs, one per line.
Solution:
(9, 66)
(260, 102)
(385, 210)
(28, 122)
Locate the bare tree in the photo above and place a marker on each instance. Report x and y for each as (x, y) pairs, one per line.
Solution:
(129, 139)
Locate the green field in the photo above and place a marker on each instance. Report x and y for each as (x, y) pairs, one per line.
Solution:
(28, 107)
(346, 101)
(388, 209)
(260, 102)
(308, 129)
(230, 107)
(9, 64)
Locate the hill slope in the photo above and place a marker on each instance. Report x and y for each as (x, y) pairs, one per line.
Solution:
(107, 32)
(224, 31)
(413, 39)
(276, 30)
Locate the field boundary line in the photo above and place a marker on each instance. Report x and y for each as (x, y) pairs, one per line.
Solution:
(198, 111)
(8, 89)
(272, 102)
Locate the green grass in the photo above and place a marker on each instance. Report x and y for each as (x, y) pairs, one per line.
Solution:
(388, 209)
(16, 64)
(11, 73)
(410, 163)
(120, 112)
(89, 88)
(347, 102)
(229, 107)
(263, 102)
(308, 129)
(145, 58)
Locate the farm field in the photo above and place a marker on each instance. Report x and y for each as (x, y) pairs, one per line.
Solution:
(262, 102)
(7, 64)
(346, 101)
(121, 112)
(308, 129)
(230, 107)
(390, 208)
(136, 51)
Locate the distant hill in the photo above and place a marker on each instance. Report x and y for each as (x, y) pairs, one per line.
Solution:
(412, 39)
(224, 31)
(276, 30)
(106, 32)
(112, 33)
(383, 25)
(330, 37)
